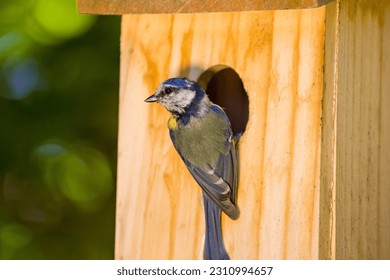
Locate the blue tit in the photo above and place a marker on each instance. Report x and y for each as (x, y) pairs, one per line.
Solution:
(201, 133)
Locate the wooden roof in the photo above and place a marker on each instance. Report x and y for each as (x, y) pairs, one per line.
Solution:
(190, 6)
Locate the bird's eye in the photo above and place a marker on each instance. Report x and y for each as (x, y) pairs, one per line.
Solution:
(168, 90)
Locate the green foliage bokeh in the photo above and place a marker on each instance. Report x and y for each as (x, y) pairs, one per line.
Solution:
(58, 131)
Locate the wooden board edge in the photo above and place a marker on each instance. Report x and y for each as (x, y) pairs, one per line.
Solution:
(327, 245)
(120, 7)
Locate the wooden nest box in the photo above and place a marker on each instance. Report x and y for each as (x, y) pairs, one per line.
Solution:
(308, 81)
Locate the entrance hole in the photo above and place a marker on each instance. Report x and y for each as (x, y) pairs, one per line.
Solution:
(225, 88)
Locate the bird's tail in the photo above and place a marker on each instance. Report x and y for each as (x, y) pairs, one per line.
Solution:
(214, 249)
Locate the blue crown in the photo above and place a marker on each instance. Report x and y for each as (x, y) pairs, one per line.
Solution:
(178, 82)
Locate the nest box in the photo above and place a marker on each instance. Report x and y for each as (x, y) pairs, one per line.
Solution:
(307, 82)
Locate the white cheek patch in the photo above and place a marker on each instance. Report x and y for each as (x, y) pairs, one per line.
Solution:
(179, 101)
(184, 98)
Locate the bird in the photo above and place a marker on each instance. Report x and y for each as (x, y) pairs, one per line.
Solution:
(202, 135)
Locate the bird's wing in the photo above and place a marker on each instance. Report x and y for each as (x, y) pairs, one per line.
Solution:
(226, 165)
(219, 179)
(215, 183)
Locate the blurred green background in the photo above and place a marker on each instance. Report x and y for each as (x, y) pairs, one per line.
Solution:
(58, 130)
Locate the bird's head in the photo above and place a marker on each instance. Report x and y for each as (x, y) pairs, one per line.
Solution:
(180, 96)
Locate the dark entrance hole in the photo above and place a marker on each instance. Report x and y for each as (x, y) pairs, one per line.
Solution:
(225, 88)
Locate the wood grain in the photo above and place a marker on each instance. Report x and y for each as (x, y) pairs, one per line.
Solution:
(362, 167)
(279, 56)
(327, 218)
(190, 6)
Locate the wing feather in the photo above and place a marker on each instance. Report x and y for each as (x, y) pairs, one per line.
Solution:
(218, 179)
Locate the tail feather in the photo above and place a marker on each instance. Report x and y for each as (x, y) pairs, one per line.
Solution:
(214, 248)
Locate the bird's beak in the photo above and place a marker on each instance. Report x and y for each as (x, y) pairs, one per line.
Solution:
(152, 98)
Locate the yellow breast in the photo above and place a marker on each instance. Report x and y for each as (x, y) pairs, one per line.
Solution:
(172, 123)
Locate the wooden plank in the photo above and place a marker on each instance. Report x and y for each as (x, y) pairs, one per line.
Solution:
(327, 218)
(188, 6)
(279, 56)
(355, 169)
(363, 131)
